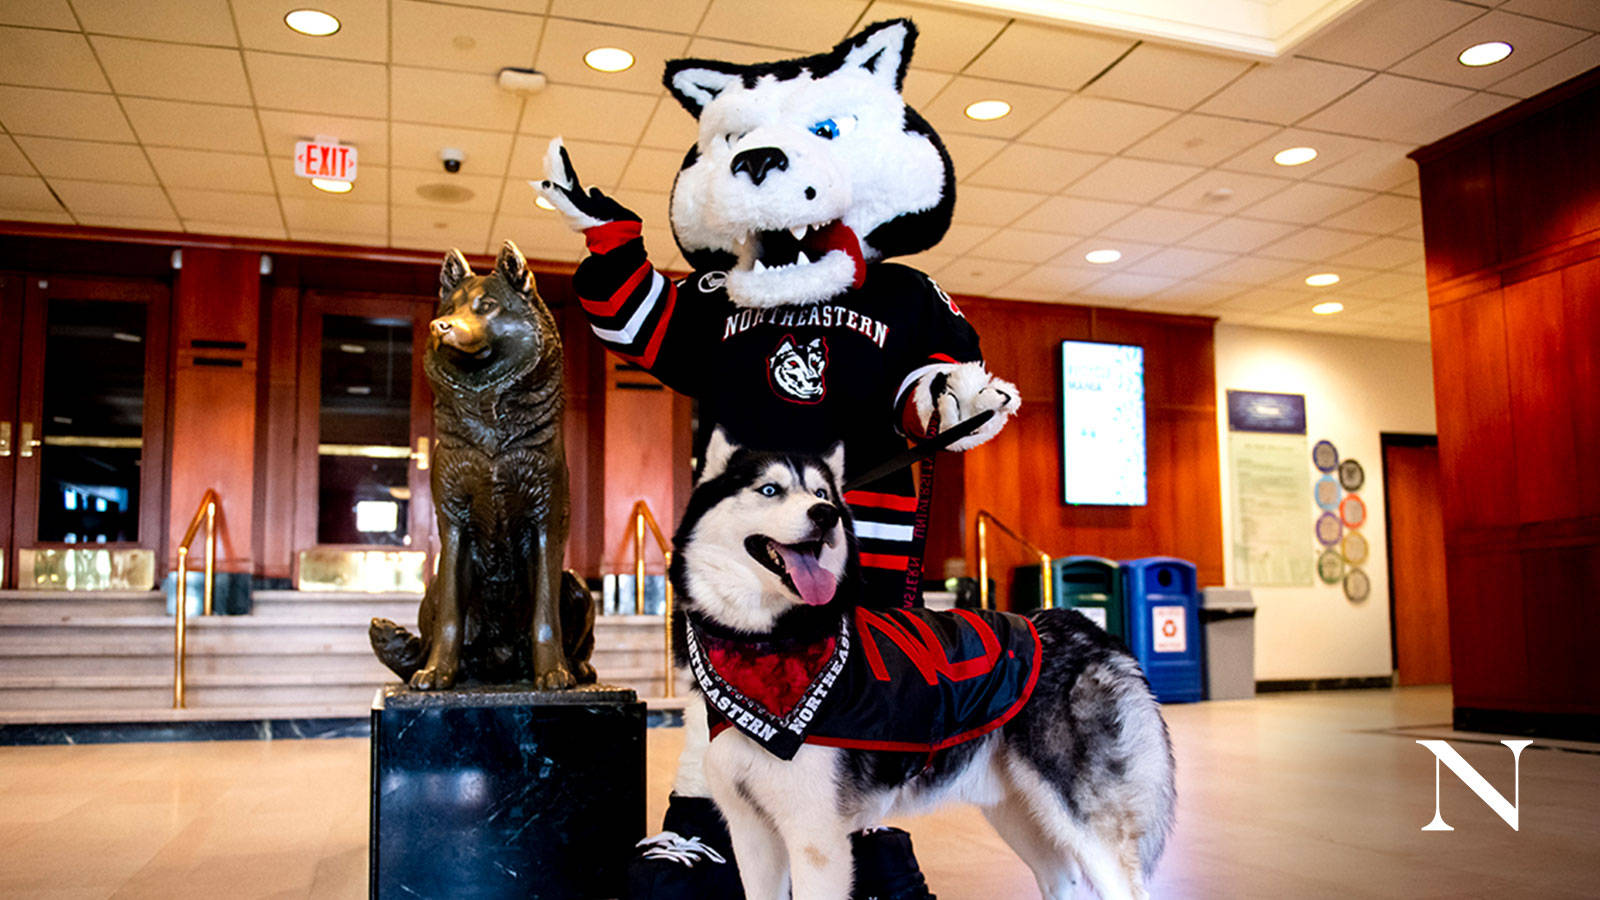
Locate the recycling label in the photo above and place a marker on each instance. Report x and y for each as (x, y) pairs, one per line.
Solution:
(1167, 624)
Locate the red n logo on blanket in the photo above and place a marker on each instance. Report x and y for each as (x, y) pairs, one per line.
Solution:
(924, 648)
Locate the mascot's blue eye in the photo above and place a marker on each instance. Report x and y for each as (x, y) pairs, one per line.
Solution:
(768, 490)
(827, 129)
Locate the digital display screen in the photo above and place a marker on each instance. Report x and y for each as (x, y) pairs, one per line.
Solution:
(1102, 424)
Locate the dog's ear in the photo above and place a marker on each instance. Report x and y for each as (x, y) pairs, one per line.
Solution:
(513, 268)
(883, 51)
(454, 272)
(718, 451)
(697, 82)
(835, 461)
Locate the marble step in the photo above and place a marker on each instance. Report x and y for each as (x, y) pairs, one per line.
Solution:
(74, 604)
(358, 607)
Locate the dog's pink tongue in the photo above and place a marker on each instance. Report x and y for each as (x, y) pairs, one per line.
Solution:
(816, 584)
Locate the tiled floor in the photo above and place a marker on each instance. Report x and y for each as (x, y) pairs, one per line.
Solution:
(1287, 796)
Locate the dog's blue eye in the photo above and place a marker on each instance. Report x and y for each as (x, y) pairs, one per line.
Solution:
(768, 490)
(821, 492)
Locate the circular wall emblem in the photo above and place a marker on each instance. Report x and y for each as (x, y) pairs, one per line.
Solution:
(1355, 548)
(1357, 585)
(1325, 456)
(1351, 475)
(1327, 493)
(1329, 530)
(1330, 567)
(1353, 510)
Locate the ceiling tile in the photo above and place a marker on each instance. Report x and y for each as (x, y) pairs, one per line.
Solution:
(38, 14)
(1200, 140)
(1331, 150)
(681, 16)
(26, 192)
(1192, 293)
(418, 146)
(188, 21)
(1016, 245)
(568, 111)
(598, 165)
(1074, 215)
(1238, 235)
(738, 53)
(485, 189)
(49, 59)
(921, 86)
(671, 127)
(927, 260)
(1179, 262)
(370, 137)
(57, 216)
(809, 27)
(208, 170)
(1095, 125)
(363, 29)
(335, 215)
(12, 162)
(1134, 180)
(1382, 253)
(978, 276)
(1569, 63)
(1131, 251)
(456, 37)
(1121, 288)
(1306, 203)
(263, 229)
(1312, 245)
(303, 84)
(1051, 283)
(1377, 168)
(1048, 56)
(1159, 226)
(565, 43)
(1284, 91)
(1260, 300)
(1166, 76)
(1383, 214)
(1385, 285)
(92, 117)
(173, 71)
(517, 198)
(1579, 13)
(540, 238)
(1387, 107)
(199, 126)
(168, 222)
(88, 160)
(1220, 192)
(992, 206)
(97, 197)
(1035, 168)
(1378, 35)
(371, 184)
(651, 170)
(947, 39)
(1028, 104)
(436, 229)
(1251, 270)
(962, 237)
(969, 152)
(1533, 40)
(358, 238)
(1429, 128)
(226, 206)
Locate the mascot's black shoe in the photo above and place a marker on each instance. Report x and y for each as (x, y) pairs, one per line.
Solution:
(886, 869)
(691, 859)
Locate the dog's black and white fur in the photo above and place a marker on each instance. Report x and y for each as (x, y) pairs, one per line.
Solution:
(1082, 776)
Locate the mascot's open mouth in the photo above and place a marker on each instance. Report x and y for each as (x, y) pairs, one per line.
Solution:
(802, 245)
(799, 565)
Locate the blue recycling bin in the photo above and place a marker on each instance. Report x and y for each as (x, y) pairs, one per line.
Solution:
(1163, 607)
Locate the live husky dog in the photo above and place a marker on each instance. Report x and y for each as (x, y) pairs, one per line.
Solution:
(1077, 771)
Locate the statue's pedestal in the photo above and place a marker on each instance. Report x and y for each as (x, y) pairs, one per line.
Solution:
(505, 792)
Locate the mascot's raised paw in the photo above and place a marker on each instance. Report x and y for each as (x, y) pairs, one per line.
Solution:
(959, 392)
(582, 209)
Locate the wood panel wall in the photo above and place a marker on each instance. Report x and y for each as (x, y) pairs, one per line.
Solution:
(1017, 476)
(1511, 216)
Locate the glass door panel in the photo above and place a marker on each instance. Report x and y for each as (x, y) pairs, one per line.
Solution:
(364, 431)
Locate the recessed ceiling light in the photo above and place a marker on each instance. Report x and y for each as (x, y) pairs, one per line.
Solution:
(1101, 257)
(1295, 156)
(1328, 309)
(1486, 54)
(1322, 279)
(608, 59)
(331, 186)
(985, 110)
(314, 22)
(542, 203)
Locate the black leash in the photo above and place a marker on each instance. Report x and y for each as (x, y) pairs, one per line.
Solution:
(920, 451)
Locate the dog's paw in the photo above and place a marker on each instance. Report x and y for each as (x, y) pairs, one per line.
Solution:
(584, 673)
(961, 391)
(557, 679)
(431, 678)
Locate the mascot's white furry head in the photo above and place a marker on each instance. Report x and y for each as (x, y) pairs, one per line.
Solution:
(807, 168)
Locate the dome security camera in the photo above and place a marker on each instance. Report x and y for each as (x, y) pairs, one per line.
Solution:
(452, 159)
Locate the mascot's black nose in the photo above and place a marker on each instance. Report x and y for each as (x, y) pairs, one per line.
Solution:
(826, 515)
(758, 162)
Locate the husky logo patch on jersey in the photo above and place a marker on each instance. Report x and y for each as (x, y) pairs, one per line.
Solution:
(796, 370)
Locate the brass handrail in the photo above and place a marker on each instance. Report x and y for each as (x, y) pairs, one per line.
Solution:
(984, 518)
(207, 513)
(641, 516)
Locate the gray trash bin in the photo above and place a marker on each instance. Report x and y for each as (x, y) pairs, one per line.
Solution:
(1229, 618)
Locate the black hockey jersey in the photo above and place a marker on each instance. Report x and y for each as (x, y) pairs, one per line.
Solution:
(793, 378)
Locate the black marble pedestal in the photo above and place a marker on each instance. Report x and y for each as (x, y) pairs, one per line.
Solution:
(497, 792)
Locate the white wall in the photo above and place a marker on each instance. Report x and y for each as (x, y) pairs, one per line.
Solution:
(1355, 388)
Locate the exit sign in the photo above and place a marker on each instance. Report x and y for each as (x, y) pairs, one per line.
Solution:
(325, 158)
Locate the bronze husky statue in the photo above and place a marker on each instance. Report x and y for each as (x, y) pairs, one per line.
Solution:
(499, 610)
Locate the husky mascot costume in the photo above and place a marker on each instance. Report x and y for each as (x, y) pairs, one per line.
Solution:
(794, 335)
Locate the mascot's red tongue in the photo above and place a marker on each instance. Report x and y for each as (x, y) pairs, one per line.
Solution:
(838, 236)
(815, 584)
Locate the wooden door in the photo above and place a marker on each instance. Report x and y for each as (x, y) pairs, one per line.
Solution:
(10, 346)
(1418, 609)
(364, 424)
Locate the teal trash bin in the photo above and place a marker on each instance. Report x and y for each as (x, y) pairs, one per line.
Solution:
(1090, 584)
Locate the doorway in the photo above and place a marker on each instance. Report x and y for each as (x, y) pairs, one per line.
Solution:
(83, 385)
(1418, 610)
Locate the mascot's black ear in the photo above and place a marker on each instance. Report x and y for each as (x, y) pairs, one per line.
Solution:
(697, 82)
(883, 50)
(718, 451)
(513, 268)
(454, 272)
